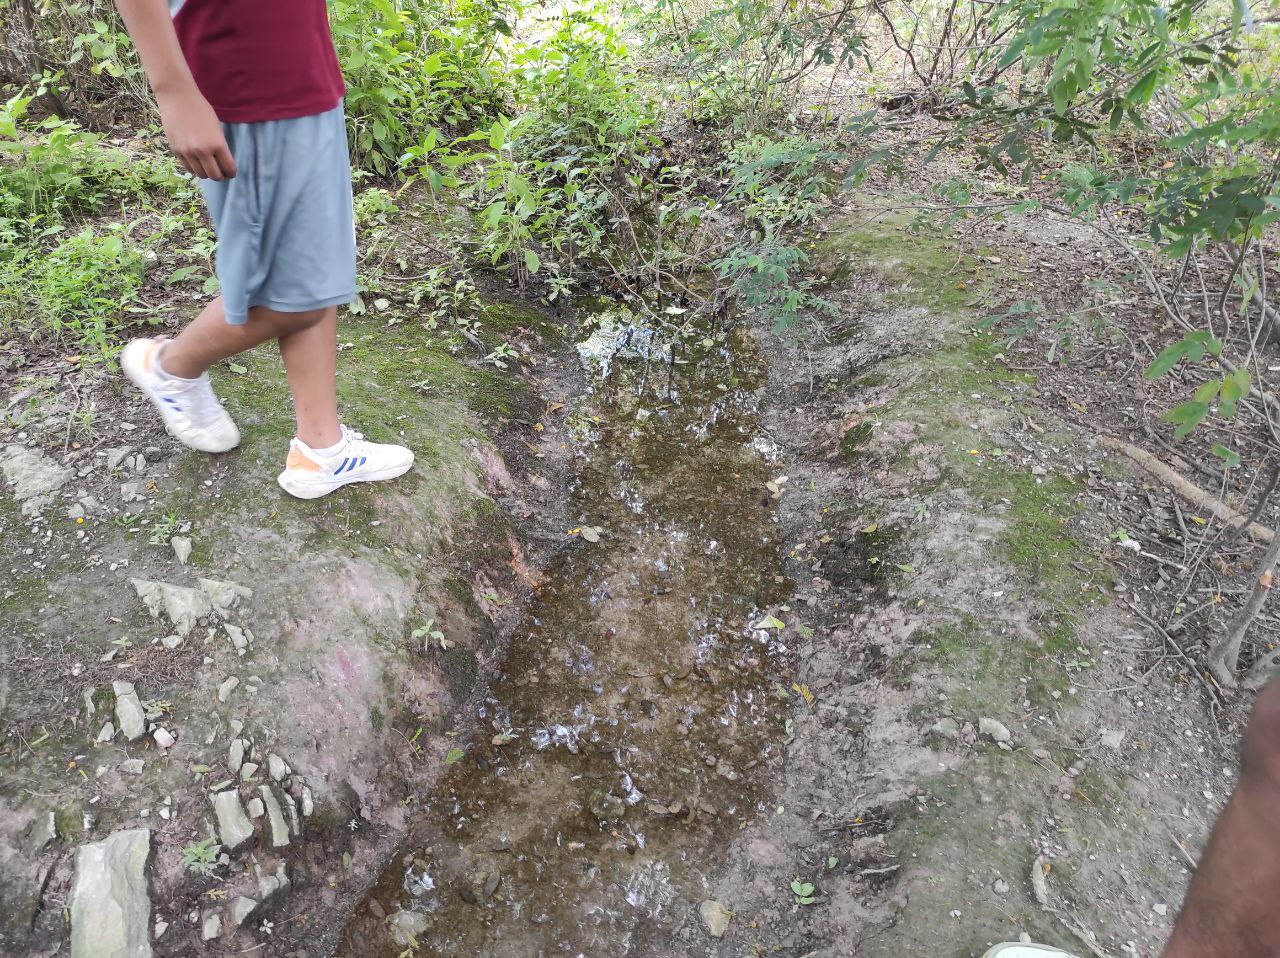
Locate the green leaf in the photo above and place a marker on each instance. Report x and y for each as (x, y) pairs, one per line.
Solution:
(1234, 388)
(453, 755)
(497, 135)
(1230, 458)
(1186, 417)
(531, 261)
(1167, 359)
(1142, 91)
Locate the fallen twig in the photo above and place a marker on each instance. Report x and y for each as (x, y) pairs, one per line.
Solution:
(1188, 489)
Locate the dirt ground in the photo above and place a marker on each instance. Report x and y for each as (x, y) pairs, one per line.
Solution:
(835, 635)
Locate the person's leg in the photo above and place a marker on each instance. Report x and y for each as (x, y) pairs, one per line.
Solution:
(209, 338)
(1230, 910)
(308, 345)
(310, 354)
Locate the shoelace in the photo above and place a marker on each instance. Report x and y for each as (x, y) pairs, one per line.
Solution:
(203, 407)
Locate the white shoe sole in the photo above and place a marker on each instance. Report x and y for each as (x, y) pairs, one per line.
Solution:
(1013, 949)
(300, 488)
(132, 367)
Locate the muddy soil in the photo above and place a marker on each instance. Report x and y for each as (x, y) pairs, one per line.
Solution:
(812, 643)
(634, 725)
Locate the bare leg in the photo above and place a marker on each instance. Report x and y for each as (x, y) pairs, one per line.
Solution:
(209, 338)
(310, 356)
(1230, 911)
(308, 344)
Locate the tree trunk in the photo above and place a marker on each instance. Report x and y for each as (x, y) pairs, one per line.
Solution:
(1225, 654)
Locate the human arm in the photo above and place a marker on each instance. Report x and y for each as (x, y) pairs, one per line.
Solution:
(190, 125)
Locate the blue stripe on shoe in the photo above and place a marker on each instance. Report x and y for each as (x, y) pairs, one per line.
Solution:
(171, 402)
(363, 460)
(338, 471)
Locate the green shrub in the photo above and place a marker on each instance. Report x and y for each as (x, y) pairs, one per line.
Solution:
(52, 172)
(415, 65)
(75, 294)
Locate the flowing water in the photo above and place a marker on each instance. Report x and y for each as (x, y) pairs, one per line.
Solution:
(628, 734)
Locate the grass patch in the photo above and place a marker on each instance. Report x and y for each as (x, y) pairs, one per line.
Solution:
(854, 440)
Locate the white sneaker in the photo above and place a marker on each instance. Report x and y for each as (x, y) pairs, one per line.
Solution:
(309, 474)
(1013, 949)
(190, 410)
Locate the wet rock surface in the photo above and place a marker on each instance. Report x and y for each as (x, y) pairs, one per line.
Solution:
(596, 784)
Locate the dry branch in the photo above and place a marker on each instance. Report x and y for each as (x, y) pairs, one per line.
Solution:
(1188, 489)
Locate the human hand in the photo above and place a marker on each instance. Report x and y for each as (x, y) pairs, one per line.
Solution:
(195, 135)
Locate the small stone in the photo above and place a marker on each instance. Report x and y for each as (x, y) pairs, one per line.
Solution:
(242, 909)
(107, 733)
(181, 548)
(130, 718)
(87, 697)
(275, 817)
(235, 755)
(715, 916)
(164, 738)
(234, 827)
(116, 455)
(1160, 910)
(1001, 887)
(110, 908)
(308, 804)
(256, 808)
(270, 882)
(224, 596)
(226, 688)
(291, 813)
(212, 926)
(1113, 738)
(605, 805)
(248, 770)
(946, 727)
(134, 491)
(36, 478)
(238, 639)
(161, 927)
(994, 730)
(171, 642)
(132, 766)
(182, 606)
(276, 767)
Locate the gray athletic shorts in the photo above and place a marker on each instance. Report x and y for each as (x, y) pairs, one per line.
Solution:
(286, 229)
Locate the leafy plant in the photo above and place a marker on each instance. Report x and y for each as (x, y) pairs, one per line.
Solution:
(802, 891)
(429, 633)
(202, 857)
(76, 293)
(417, 65)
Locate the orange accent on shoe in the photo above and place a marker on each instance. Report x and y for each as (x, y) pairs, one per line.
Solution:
(299, 460)
(148, 360)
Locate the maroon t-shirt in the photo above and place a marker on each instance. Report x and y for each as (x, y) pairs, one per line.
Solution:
(258, 60)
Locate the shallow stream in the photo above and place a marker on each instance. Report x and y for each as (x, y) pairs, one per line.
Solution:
(627, 735)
